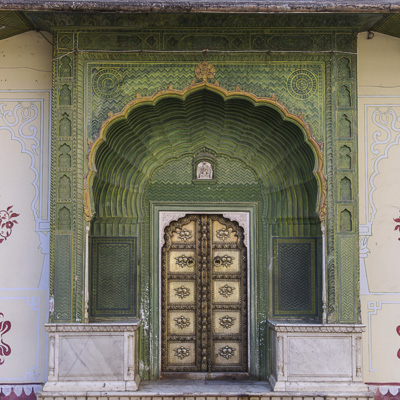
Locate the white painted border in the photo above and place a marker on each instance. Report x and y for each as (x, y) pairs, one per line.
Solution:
(365, 230)
(373, 308)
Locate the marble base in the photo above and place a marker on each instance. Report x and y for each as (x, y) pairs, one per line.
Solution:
(92, 357)
(316, 357)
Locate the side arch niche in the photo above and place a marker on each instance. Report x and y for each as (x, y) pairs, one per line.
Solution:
(260, 155)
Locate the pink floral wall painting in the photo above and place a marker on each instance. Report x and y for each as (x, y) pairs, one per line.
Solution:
(5, 349)
(7, 222)
(398, 351)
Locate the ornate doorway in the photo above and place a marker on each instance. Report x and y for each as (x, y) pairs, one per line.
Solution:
(204, 296)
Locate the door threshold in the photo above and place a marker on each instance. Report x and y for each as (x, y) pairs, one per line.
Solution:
(205, 376)
(198, 387)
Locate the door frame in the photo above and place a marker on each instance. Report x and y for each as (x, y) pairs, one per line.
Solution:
(159, 210)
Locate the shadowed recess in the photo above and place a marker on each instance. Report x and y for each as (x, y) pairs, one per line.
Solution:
(258, 135)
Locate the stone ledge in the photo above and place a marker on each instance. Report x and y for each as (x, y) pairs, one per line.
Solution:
(94, 327)
(138, 396)
(279, 326)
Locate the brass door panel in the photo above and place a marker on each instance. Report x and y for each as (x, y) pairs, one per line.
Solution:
(204, 296)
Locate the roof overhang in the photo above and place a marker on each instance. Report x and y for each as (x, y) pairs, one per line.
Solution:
(231, 6)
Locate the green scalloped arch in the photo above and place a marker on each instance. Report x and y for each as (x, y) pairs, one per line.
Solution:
(148, 133)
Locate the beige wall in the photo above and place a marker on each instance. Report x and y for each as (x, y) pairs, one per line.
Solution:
(25, 83)
(379, 157)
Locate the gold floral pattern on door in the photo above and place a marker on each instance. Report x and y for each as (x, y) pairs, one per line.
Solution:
(204, 296)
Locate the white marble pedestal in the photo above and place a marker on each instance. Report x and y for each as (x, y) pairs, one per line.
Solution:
(93, 357)
(316, 357)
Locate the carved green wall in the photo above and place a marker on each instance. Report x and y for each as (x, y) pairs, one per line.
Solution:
(307, 62)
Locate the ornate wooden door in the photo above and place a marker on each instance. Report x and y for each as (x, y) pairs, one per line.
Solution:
(204, 296)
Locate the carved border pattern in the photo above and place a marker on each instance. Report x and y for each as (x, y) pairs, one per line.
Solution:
(93, 327)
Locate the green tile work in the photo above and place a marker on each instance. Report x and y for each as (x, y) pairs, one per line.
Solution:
(113, 277)
(295, 277)
(348, 296)
(62, 278)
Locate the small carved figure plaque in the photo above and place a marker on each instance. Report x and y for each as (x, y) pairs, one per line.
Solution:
(204, 170)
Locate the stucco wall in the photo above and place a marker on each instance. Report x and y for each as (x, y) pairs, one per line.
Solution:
(25, 83)
(379, 158)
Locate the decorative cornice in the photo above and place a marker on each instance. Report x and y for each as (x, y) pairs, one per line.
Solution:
(315, 328)
(95, 327)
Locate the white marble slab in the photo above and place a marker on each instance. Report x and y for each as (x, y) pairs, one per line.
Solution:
(83, 357)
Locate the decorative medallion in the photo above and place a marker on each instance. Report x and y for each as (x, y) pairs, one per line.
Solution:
(7, 221)
(182, 352)
(224, 261)
(227, 352)
(227, 321)
(223, 234)
(182, 322)
(107, 83)
(302, 84)
(183, 261)
(5, 349)
(226, 290)
(204, 71)
(184, 235)
(182, 292)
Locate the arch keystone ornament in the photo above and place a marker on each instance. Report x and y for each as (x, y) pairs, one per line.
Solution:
(204, 71)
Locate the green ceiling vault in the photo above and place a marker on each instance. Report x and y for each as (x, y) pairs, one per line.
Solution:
(172, 126)
(131, 111)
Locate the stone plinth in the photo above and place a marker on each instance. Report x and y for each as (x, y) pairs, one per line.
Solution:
(316, 357)
(93, 357)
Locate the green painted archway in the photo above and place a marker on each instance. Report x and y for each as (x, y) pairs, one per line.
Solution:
(278, 146)
(264, 155)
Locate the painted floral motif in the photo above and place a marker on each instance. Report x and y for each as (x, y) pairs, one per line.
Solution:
(224, 261)
(227, 321)
(227, 352)
(397, 227)
(222, 234)
(183, 261)
(226, 290)
(398, 332)
(7, 222)
(182, 352)
(182, 292)
(184, 235)
(182, 322)
(5, 349)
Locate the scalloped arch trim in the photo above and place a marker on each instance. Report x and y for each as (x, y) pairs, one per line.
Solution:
(277, 145)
